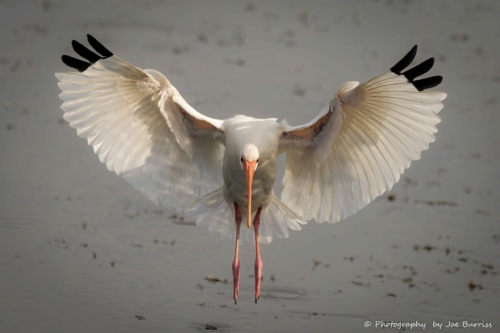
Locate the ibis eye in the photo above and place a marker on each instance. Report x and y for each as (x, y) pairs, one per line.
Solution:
(257, 161)
(242, 159)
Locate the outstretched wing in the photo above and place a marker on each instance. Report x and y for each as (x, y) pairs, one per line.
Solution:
(141, 127)
(360, 144)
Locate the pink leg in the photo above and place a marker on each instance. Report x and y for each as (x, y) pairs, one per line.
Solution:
(236, 262)
(258, 262)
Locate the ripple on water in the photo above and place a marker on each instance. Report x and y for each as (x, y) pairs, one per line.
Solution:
(282, 293)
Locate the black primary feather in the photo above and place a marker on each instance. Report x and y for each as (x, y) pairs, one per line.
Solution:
(99, 47)
(403, 63)
(85, 52)
(420, 69)
(77, 64)
(427, 83)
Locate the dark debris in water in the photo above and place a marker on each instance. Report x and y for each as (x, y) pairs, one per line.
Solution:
(429, 248)
(410, 182)
(252, 276)
(212, 326)
(202, 38)
(408, 280)
(316, 314)
(361, 284)
(496, 238)
(464, 37)
(213, 279)
(462, 255)
(137, 245)
(453, 271)
(140, 317)
(316, 263)
(298, 90)
(426, 247)
(180, 221)
(488, 269)
(172, 242)
(473, 285)
(482, 212)
(435, 286)
(60, 242)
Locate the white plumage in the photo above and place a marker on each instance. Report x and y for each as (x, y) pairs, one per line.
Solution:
(223, 171)
(142, 129)
(384, 125)
(122, 111)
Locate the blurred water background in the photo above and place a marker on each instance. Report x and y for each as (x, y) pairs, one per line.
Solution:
(81, 251)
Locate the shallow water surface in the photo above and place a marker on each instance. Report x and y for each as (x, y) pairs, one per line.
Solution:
(81, 251)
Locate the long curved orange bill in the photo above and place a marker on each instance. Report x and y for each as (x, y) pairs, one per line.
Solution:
(249, 168)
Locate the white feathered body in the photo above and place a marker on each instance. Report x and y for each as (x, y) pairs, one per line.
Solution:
(215, 210)
(264, 134)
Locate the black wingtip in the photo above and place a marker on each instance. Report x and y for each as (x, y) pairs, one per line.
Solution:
(403, 63)
(85, 52)
(77, 64)
(427, 83)
(418, 70)
(99, 47)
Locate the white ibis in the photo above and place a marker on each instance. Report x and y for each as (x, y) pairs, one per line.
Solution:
(223, 171)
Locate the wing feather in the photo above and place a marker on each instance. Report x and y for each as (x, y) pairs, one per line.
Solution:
(360, 144)
(141, 128)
